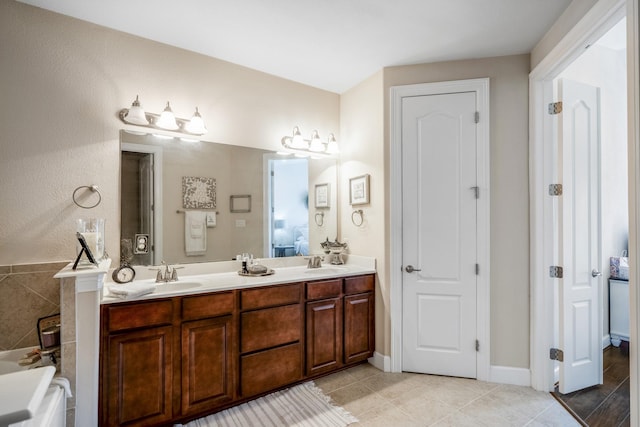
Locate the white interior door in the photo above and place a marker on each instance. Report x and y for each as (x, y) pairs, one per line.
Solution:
(580, 304)
(439, 234)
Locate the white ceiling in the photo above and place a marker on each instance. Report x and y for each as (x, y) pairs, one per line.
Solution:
(329, 44)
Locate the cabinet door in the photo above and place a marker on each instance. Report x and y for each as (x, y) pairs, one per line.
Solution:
(207, 364)
(358, 327)
(139, 377)
(324, 335)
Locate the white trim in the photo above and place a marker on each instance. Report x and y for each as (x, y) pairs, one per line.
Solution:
(606, 341)
(157, 193)
(481, 87)
(381, 362)
(542, 171)
(633, 106)
(509, 375)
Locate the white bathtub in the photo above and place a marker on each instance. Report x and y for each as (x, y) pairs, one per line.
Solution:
(52, 409)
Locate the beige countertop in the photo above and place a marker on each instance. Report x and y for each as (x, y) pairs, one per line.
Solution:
(194, 278)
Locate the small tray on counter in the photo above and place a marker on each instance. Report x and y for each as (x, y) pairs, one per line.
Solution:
(269, 272)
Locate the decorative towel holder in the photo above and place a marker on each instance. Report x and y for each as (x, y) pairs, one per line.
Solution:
(94, 189)
(354, 217)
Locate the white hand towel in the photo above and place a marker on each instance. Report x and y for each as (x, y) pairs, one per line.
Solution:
(195, 233)
(131, 290)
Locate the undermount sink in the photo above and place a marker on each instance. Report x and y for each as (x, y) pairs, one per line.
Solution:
(176, 286)
(325, 270)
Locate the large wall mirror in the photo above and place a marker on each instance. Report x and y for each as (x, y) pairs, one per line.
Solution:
(265, 204)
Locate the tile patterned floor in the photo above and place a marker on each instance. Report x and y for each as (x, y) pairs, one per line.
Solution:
(410, 400)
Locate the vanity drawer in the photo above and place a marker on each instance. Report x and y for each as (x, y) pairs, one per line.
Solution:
(203, 306)
(251, 299)
(270, 327)
(324, 289)
(270, 369)
(139, 314)
(356, 285)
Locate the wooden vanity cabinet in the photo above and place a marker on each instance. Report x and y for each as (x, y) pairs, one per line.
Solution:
(271, 338)
(174, 359)
(137, 365)
(208, 352)
(359, 318)
(324, 326)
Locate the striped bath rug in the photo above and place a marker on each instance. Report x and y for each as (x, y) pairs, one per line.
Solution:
(303, 405)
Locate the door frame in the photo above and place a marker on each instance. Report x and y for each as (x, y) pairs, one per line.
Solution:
(157, 192)
(481, 88)
(543, 171)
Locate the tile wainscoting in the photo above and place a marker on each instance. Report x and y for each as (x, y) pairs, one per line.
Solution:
(27, 293)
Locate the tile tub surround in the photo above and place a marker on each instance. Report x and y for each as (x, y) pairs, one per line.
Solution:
(27, 293)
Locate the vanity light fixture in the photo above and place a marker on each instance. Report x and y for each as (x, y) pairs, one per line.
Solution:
(315, 146)
(165, 121)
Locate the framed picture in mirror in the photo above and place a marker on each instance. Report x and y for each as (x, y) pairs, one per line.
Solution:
(322, 195)
(241, 203)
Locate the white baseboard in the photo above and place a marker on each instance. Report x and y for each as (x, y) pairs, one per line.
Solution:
(381, 361)
(509, 375)
(606, 341)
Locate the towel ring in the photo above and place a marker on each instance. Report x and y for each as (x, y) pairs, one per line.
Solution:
(94, 189)
(354, 216)
(319, 222)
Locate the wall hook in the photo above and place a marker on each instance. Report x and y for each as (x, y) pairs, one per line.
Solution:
(319, 218)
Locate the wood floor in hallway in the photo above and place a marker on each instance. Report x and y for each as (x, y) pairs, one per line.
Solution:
(606, 404)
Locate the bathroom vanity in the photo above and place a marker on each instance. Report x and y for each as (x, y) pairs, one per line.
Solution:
(174, 358)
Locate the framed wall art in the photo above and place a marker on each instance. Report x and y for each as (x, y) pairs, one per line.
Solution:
(240, 203)
(198, 192)
(322, 195)
(359, 190)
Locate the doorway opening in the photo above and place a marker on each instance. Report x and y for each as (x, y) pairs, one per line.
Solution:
(593, 89)
(141, 207)
(288, 207)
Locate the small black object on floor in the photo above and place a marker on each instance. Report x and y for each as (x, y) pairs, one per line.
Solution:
(606, 404)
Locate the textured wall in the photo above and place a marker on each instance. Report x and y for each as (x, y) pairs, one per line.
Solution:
(63, 82)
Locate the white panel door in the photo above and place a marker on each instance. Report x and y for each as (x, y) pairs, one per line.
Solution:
(439, 234)
(580, 294)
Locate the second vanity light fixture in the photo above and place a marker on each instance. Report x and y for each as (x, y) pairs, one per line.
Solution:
(314, 145)
(165, 121)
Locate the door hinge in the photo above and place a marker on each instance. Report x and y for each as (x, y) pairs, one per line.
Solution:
(477, 269)
(477, 345)
(556, 354)
(476, 117)
(476, 190)
(555, 107)
(555, 189)
(555, 271)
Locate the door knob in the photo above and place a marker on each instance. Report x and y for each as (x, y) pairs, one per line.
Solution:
(595, 273)
(409, 269)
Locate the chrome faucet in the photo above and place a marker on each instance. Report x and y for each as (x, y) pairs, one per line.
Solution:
(166, 273)
(315, 262)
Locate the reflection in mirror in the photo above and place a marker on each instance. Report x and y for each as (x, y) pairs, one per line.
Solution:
(282, 219)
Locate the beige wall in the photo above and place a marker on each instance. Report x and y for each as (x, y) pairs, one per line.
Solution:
(509, 190)
(63, 82)
(362, 152)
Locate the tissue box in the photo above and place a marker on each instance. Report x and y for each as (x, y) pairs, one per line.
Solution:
(619, 267)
